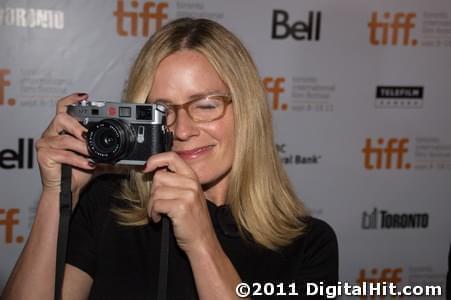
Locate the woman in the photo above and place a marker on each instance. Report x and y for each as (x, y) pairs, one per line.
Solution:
(233, 212)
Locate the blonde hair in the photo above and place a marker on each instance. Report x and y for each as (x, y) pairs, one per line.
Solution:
(259, 194)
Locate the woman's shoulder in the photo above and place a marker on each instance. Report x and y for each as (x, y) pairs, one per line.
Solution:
(318, 228)
(317, 240)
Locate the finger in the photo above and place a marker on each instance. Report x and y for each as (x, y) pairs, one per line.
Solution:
(170, 160)
(52, 157)
(63, 142)
(63, 123)
(68, 100)
(170, 179)
(162, 207)
(166, 193)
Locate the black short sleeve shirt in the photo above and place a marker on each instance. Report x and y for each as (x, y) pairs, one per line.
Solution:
(123, 260)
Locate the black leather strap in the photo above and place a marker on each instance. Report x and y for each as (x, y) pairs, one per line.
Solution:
(63, 228)
(164, 256)
(164, 247)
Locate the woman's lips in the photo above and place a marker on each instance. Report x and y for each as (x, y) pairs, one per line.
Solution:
(193, 153)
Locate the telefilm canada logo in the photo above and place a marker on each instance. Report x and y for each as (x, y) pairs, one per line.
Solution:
(299, 30)
(399, 97)
(383, 219)
(134, 19)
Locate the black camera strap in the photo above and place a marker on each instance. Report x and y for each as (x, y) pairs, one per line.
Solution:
(164, 257)
(164, 247)
(63, 227)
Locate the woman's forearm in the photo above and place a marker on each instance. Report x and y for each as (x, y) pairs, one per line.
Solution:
(214, 273)
(34, 272)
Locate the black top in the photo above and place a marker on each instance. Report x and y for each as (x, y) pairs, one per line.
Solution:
(124, 260)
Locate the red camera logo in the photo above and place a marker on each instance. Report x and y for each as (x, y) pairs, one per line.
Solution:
(392, 28)
(150, 11)
(386, 154)
(9, 220)
(3, 84)
(274, 86)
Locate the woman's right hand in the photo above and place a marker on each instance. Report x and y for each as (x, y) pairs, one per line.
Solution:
(63, 142)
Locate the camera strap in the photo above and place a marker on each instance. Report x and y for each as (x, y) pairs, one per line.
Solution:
(164, 257)
(63, 227)
(164, 247)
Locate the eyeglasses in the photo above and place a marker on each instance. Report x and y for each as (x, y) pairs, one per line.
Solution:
(205, 109)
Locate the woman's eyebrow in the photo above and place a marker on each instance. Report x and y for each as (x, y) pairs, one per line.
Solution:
(208, 93)
(159, 100)
(191, 97)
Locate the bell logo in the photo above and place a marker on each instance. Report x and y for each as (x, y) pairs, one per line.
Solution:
(300, 30)
(385, 275)
(389, 30)
(274, 87)
(21, 158)
(150, 11)
(3, 84)
(7, 219)
(385, 154)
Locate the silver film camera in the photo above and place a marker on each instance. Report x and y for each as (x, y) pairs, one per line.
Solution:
(123, 133)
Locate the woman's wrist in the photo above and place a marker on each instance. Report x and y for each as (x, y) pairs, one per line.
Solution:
(208, 247)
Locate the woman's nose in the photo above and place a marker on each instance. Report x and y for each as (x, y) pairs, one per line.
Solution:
(184, 127)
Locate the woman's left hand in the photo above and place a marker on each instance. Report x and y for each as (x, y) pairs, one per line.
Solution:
(177, 193)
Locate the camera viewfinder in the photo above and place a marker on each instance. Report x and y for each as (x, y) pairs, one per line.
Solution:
(144, 113)
(125, 112)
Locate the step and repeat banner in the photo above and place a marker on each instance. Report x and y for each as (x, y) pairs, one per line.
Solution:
(359, 89)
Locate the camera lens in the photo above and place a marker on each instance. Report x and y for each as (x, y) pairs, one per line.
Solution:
(110, 140)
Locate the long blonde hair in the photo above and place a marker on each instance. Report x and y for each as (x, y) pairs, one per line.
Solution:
(259, 194)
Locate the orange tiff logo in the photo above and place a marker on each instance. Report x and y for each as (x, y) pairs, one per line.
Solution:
(386, 154)
(127, 21)
(274, 86)
(3, 84)
(392, 29)
(7, 219)
(386, 275)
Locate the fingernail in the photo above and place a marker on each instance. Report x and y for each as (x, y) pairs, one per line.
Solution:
(91, 164)
(84, 134)
(81, 94)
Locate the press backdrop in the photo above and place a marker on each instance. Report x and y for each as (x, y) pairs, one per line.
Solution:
(359, 90)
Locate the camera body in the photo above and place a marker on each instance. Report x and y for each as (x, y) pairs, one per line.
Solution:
(123, 133)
